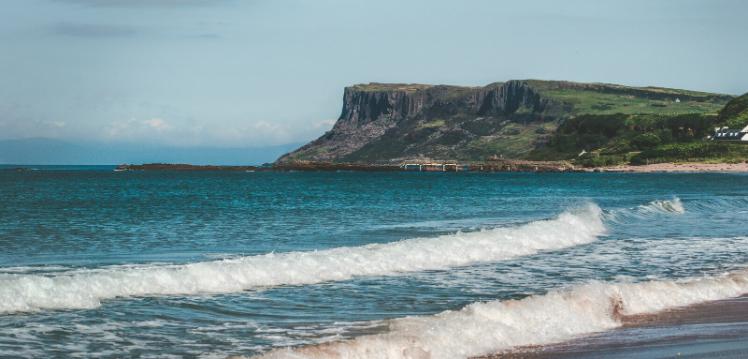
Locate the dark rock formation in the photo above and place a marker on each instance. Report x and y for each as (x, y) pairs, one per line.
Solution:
(370, 111)
(180, 167)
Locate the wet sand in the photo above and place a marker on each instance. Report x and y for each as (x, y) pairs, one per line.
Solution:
(709, 330)
(678, 167)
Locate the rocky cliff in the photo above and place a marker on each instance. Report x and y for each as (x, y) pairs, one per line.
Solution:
(395, 122)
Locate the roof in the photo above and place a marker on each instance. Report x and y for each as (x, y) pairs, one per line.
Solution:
(728, 134)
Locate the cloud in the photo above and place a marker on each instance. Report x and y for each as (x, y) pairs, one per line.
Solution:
(137, 128)
(145, 3)
(205, 36)
(157, 124)
(191, 133)
(324, 124)
(93, 30)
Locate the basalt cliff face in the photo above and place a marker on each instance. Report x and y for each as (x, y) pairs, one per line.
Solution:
(382, 123)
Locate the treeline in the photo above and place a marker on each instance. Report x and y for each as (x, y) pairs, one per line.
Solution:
(691, 151)
(625, 133)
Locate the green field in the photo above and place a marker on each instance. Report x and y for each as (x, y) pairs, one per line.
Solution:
(591, 102)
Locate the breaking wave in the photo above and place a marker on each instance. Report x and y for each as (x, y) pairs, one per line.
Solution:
(669, 206)
(656, 207)
(81, 289)
(484, 328)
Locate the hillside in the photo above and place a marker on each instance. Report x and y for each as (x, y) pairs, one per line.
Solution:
(609, 139)
(735, 113)
(382, 123)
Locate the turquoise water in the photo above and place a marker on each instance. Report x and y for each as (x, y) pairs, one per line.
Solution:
(102, 264)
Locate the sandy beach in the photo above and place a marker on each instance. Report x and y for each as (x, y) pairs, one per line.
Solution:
(709, 330)
(678, 167)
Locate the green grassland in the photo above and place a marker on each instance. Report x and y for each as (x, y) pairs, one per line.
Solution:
(593, 102)
(382, 87)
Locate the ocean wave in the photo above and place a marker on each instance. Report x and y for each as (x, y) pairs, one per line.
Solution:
(484, 328)
(82, 289)
(656, 207)
(668, 206)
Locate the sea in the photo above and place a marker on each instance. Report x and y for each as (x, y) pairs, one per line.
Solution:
(102, 264)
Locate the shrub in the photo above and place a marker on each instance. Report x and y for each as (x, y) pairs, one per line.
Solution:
(682, 151)
(646, 141)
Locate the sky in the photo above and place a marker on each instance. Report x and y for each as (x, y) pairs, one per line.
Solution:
(233, 73)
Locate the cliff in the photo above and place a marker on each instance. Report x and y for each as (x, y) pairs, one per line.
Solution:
(394, 122)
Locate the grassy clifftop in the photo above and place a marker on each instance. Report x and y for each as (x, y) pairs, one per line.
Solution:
(614, 99)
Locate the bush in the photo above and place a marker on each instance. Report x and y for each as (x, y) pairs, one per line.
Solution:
(591, 160)
(682, 151)
(605, 125)
(646, 141)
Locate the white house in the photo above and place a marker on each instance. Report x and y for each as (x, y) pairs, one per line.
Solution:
(726, 134)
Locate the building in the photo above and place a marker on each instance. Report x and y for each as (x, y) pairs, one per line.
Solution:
(727, 134)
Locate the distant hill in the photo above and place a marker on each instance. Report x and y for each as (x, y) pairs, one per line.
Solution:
(518, 119)
(45, 151)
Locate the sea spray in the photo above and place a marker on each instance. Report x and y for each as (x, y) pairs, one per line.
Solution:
(673, 206)
(83, 289)
(484, 328)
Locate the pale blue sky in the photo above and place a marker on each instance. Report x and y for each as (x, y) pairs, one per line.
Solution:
(250, 73)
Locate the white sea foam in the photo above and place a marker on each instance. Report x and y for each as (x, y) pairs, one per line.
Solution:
(672, 206)
(668, 206)
(484, 328)
(86, 288)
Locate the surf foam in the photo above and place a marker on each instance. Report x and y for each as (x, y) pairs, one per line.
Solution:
(669, 206)
(657, 207)
(87, 288)
(485, 328)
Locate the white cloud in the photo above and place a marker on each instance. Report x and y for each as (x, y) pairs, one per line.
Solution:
(136, 129)
(324, 124)
(144, 3)
(186, 132)
(157, 124)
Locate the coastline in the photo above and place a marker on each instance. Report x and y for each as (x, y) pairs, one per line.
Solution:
(491, 166)
(686, 167)
(717, 329)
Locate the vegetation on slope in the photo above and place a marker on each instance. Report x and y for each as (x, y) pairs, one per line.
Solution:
(735, 113)
(610, 139)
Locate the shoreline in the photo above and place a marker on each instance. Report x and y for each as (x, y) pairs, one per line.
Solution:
(491, 166)
(705, 330)
(686, 167)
